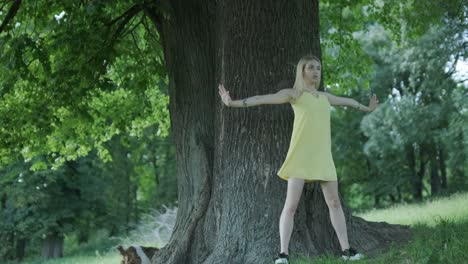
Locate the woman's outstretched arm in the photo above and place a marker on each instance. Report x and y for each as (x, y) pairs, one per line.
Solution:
(337, 100)
(281, 97)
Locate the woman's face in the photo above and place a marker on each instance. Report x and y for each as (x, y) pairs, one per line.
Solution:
(311, 73)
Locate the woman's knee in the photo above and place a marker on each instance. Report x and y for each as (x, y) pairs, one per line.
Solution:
(290, 209)
(334, 203)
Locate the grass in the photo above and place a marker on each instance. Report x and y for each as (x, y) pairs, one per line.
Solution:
(111, 258)
(440, 230)
(444, 242)
(99, 250)
(427, 213)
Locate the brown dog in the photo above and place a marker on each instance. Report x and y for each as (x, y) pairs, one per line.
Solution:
(137, 254)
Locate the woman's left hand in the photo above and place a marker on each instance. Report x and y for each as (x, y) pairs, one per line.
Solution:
(225, 97)
(373, 103)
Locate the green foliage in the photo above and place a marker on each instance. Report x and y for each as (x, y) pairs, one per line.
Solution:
(69, 85)
(77, 80)
(424, 100)
(348, 63)
(87, 194)
(341, 52)
(53, 202)
(380, 47)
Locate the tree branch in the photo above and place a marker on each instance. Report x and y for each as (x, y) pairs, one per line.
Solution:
(126, 18)
(454, 64)
(136, 43)
(11, 14)
(131, 11)
(157, 20)
(131, 29)
(150, 32)
(4, 4)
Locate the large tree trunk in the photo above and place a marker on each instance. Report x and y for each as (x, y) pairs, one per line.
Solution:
(418, 180)
(52, 246)
(230, 197)
(411, 158)
(442, 167)
(435, 179)
(20, 249)
(458, 179)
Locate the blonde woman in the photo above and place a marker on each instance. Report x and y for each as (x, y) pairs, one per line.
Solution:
(311, 130)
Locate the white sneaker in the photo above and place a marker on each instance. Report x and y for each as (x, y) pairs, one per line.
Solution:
(351, 254)
(282, 259)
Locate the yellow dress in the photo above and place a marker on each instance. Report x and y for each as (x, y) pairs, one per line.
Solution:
(309, 156)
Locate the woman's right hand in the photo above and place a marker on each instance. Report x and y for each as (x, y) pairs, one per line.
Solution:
(224, 95)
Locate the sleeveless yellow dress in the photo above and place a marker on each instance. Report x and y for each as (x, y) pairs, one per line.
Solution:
(309, 156)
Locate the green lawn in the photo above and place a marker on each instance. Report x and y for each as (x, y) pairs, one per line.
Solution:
(445, 242)
(110, 258)
(440, 231)
(454, 207)
(440, 236)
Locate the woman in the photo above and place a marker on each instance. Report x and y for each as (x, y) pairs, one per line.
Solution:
(311, 130)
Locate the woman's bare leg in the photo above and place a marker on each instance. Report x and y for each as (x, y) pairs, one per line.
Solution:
(286, 222)
(330, 192)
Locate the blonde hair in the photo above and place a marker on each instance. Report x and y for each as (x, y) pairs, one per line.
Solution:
(299, 82)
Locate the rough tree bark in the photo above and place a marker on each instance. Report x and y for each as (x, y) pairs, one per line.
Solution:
(230, 197)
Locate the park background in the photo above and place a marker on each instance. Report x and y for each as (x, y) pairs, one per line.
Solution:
(88, 160)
